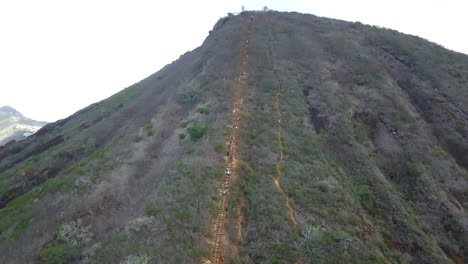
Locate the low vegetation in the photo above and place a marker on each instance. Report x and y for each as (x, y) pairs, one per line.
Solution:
(190, 93)
(374, 168)
(197, 131)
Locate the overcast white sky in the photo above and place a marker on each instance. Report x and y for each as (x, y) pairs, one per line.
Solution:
(57, 57)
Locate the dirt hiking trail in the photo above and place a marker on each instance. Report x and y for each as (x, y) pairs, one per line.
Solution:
(221, 240)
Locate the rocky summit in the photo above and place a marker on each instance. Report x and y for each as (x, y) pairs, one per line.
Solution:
(284, 138)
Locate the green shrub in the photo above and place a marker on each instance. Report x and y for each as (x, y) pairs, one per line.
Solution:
(16, 149)
(148, 126)
(203, 111)
(140, 223)
(412, 170)
(74, 233)
(323, 187)
(409, 166)
(20, 227)
(59, 253)
(184, 124)
(365, 196)
(181, 136)
(219, 147)
(136, 260)
(138, 138)
(190, 93)
(385, 233)
(152, 210)
(197, 131)
(404, 118)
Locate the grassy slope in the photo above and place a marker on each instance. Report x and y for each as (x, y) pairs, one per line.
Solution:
(123, 169)
(375, 155)
(369, 172)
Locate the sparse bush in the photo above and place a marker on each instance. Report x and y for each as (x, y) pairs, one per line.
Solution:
(138, 138)
(184, 124)
(197, 131)
(365, 196)
(136, 260)
(410, 167)
(59, 253)
(74, 233)
(20, 227)
(16, 149)
(190, 93)
(310, 234)
(203, 110)
(412, 170)
(219, 147)
(404, 118)
(151, 208)
(141, 222)
(181, 136)
(323, 187)
(148, 126)
(82, 183)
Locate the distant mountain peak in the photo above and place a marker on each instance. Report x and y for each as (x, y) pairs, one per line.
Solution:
(15, 126)
(10, 110)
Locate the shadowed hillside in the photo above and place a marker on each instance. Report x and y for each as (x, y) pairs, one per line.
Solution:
(284, 138)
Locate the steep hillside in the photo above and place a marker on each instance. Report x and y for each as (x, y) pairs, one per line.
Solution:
(14, 126)
(284, 138)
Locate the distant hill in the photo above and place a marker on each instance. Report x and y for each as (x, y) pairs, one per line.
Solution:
(284, 138)
(14, 126)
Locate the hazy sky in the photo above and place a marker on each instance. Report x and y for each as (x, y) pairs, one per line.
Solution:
(57, 57)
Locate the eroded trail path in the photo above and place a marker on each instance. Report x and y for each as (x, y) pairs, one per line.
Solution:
(281, 157)
(278, 165)
(221, 239)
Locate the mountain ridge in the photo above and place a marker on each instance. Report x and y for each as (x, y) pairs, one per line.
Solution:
(351, 148)
(10, 110)
(15, 126)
